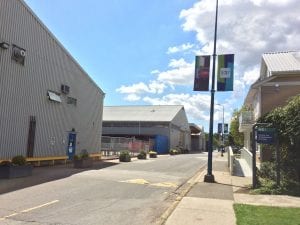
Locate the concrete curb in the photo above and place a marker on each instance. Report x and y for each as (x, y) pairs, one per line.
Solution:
(180, 192)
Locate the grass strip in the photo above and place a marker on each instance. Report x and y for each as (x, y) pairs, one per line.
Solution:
(266, 215)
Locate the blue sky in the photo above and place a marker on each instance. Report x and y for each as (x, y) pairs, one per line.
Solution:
(142, 52)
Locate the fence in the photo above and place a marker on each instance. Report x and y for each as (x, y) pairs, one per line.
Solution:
(112, 146)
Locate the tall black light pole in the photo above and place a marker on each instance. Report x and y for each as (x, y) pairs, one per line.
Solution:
(209, 177)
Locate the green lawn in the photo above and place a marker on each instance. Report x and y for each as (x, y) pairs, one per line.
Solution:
(265, 215)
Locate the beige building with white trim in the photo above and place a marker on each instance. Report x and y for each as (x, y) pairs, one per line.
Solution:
(279, 80)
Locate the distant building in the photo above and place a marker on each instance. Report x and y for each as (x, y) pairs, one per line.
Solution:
(166, 125)
(198, 142)
(279, 80)
(49, 106)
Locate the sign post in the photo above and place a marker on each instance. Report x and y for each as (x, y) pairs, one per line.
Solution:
(263, 135)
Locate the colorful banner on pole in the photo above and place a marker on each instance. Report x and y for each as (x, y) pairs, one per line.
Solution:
(202, 65)
(225, 72)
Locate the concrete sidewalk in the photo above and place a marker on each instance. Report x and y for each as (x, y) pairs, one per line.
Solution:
(212, 203)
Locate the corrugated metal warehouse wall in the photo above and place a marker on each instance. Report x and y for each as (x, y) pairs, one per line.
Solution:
(23, 90)
(180, 131)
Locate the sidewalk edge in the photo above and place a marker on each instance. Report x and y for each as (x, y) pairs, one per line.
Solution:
(190, 183)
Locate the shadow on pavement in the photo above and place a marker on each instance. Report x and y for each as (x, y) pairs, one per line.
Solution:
(46, 174)
(211, 190)
(238, 170)
(240, 188)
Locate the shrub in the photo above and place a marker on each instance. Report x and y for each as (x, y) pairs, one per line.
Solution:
(5, 163)
(153, 154)
(124, 156)
(173, 152)
(19, 160)
(83, 155)
(286, 120)
(267, 170)
(142, 155)
(185, 151)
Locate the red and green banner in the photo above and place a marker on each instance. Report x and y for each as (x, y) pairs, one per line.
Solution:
(225, 72)
(202, 65)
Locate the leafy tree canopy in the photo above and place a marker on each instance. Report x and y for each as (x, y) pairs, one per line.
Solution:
(286, 120)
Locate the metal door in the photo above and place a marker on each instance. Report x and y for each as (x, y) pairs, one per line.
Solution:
(71, 145)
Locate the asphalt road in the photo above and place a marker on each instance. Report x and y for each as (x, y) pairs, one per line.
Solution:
(132, 193)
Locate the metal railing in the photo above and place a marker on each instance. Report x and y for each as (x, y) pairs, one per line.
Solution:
(230, 160)
(112, 146)
(247, 155)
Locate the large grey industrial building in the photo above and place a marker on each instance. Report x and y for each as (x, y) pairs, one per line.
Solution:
(167, 125)
(48, 105)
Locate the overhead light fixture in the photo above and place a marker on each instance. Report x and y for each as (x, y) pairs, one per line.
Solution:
(4, 45)
(277, 87)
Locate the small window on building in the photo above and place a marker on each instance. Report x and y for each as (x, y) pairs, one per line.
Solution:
(65, 89)
(72, 101)
(54, 96)
(18, 54)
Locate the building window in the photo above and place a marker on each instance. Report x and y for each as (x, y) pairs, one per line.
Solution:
(72, 101)
(18, 54)
(54, 96)
(65, 89)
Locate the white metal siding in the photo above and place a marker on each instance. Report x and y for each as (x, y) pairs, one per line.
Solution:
(180, 121)
(282, 61)
(23, 90)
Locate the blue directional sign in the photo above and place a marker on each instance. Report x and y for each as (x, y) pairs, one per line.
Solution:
(225, 128)
(265, 135)
(220, 128)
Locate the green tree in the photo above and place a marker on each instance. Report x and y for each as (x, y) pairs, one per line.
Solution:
(216, 142)
(235, 137)
(286, 120)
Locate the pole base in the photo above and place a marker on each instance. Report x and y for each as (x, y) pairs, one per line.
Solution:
(209, 178)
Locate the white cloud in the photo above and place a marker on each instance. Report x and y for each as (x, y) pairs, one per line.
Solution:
(133, 89)
(276, 2)
(246, 28)
(132, 97)
(196, 106)
(180, 48)
(154, 72)
(153, 87)
(181, 73)
(156, 87)
(250, 76)
(176, 63)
